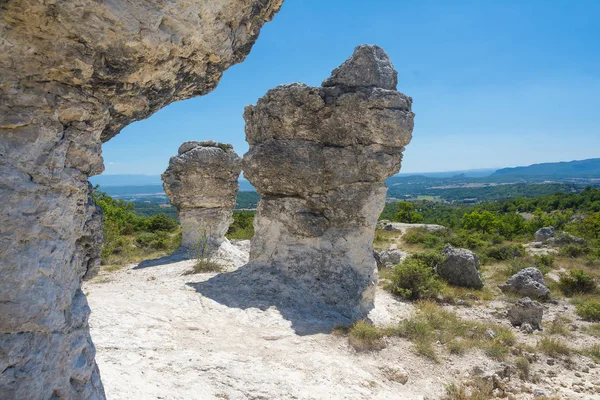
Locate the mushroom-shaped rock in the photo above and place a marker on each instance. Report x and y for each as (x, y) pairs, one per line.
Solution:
(460, 268)
(527, 282)
(201, 182)
(526, 311)
(319, 157)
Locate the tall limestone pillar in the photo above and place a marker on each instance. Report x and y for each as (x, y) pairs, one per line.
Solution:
(201, 182)
(319, 157)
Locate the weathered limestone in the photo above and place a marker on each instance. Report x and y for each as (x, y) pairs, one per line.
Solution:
(460, 268)
(72, 74)
(201, 182)
(319, 157)
(527, 282)
(526, 311)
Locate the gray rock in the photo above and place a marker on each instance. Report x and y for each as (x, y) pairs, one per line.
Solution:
(527, 282)
(564, 238)
(202, 182)
(460, 268)
(72, 74)
(544, 234)
(319, 157)
(526, 311)
(389, 258)
(526, 328)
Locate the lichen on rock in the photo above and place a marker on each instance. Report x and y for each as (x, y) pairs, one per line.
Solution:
(319, 157)
(201, 182)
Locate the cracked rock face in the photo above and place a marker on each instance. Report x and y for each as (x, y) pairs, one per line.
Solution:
(460, 267)
(72, 74)
(201, 182)
(319, 157)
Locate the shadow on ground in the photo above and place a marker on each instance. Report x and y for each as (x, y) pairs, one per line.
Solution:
(179, 255)
(255, 286)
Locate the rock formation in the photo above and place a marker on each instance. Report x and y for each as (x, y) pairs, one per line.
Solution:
(201, 182)
(526, 311)
(72, 74)
(319, 157)
(460, 268)
(544, 234)
(389, 258)
(527, 282)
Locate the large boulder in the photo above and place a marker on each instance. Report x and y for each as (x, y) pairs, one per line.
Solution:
(201, 182)
(72, 74)
(319, 157)
(544, 234)
(527, 282)
(526, 311)
(460, 268)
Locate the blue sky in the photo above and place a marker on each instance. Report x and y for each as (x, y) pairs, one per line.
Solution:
(494, 83)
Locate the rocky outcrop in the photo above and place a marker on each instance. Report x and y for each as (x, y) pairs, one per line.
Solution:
(72, 74)
(527, 282)
(389, 258)
(544, 234)
(201, 182)
(526, 311)
(460, 268)
(319, 157)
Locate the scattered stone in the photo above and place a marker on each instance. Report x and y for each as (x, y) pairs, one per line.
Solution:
(527, 282)
(490, 333)
(389, 258)
(526, 328)
(460, 268)
(201, 182)
(396, 374)
(550, 361)
(544, 234)
(319, 157)
(539, 393)
(72, 75)
(526, 311)
(564, 238)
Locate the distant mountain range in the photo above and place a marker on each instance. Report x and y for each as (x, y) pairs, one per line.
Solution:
(559, 170)
(149, 182)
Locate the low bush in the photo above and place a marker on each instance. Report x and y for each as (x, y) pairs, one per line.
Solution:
(553, 347)
(574, 250)
(153, 240)
(576, 281)
(413, 280)
(504, 252)
(544, 260)
(589, 310)
(363, 336)
(430, 258)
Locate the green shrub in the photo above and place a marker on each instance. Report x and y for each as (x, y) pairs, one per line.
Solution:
(589, 311)
(504, 252)
(363, 336)
(430, 258)
(544, 260)
(242, 227)
(574, 250)
(576, 281)
(153, 240)
(160, 222)
(414, 279)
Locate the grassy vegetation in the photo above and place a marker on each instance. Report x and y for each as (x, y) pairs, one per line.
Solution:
(553, 347)
(242, 227)
(129, 237)
(476, 389)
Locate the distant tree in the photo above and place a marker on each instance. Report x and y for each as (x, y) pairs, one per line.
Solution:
(406, 213)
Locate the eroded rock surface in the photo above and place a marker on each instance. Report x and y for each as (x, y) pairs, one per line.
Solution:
(526, 311)
(460, 268)
(201, 182)
(72, 74)
(319, 157)
(527, 282)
